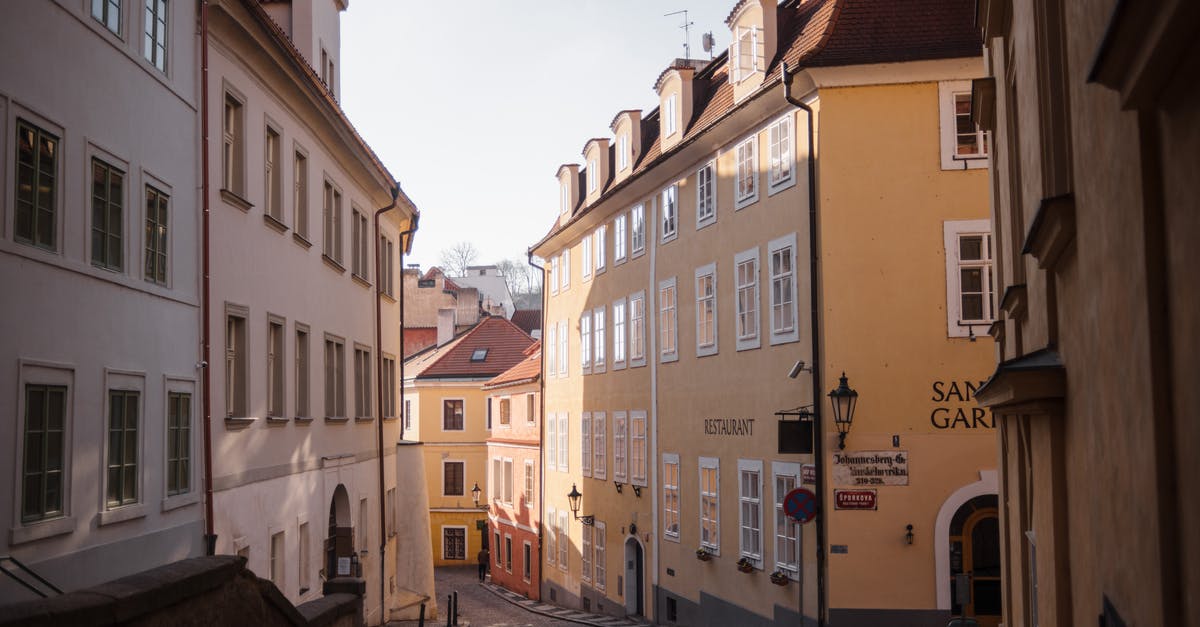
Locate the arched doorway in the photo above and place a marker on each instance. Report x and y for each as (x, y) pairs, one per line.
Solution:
(634, 578)
(340, 541)
(975, 561)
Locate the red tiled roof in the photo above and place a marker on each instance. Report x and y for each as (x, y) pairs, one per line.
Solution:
(528, 319)
(527, 371)
(505, 343)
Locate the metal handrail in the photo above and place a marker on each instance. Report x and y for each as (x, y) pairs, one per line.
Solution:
(26, 569)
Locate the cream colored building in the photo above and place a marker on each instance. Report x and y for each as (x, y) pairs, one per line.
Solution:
(679, 296)
(1093, 106)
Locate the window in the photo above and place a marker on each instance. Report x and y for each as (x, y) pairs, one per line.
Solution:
(530, 409)
(600, 578)
(526, 559)
(479, 354)
(508, 481)
(361, 382)
(301, 371)
(363, 526)
(585, 438)
(300, 194)
(454, 543)
(638, 230)
(331, 242)
(670, 115)
(122, 447)
(108, 13)
(505, 412)
(619, 239)
(179, 443)
(783, 289)
(585, 341)
(156, 236)
(452, 414)
(408, 414)
(327, 69)
(275, 367)
(37, 186)
(599, 454)
(552, 441)
(750, 509)
(551, 537)
(620, 462)
(667, 320)
(746, 184)
(232, 148)
(235, 366)
(706, 194)
(156, 33)
(746, 53)
(563, 446)
(670, 213)
(385, 265)
(599, 247)
(618, 340)
(779, 136)
(42, 478)
(710, 502)
(564, 199)
(593, 173)
(390, 512)
(496, 481)
(452, 478)
(586, 256)
(551, 344)
(746, 272)
(970, 140)
(564, 540)
(637, 329)
(554, 275)
(562, 348)
(601, 341)
(488, 404)
(637, 447)
(507, 553)
(969, 281)
(529, 480)
(273, 183)
(623, 151)
(305, 566)
(108, 200)
(963, 144)
(359, 230)
(706, 310)
(565, 277)
(787, 530)
(670, 503)
(586, 552)
(277, 551)
(387, 379)
(335, 378)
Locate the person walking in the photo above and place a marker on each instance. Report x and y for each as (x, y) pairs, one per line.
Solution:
(483, 557)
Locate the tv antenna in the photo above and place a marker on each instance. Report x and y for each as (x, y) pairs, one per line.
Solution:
(707, 42)
(687, 32)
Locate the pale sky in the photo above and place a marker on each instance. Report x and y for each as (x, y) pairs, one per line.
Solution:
(474, 104)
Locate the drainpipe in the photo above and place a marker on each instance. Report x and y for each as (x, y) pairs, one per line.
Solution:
(541, 424)
(404, 248)
(813, 279)
(379, 402)
(210, 537)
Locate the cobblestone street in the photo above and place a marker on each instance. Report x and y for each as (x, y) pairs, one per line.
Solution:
(480, 607)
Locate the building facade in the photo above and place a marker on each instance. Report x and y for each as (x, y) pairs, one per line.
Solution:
(99, 255)
(443, 392)
(1093, 108)
(514, 479)
(307, 229)
(681, 293)
(435, 304)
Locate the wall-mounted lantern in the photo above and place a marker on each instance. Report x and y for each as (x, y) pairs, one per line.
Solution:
(573, 498)
(843, 398)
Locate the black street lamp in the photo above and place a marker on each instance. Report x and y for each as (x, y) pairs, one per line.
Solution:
(475, 494)
(573, 498)
(843, 398)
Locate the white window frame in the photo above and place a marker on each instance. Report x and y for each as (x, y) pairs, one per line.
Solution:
(551, 537)
(551, 346)
(638, 444)
(619, 238)
(564, 198)
(565, 277)
(952, 231)
(619, 340)
(639, 334)
(585, 342)
(592, 172)
(709, 271)
(669, 222)
(714, 464)
(637, 218)
(744, 55)
(552, 441)
(668, 321)
(948, 130)
(36, 373)
(508, 490)
(600, 545)
(564, 541)
(554, 275)
(586, 258)
(585, 553)
(781, 167)
(745, 161)
(563, 349)
(706, 194)
(620, 447)
(600, 248)
(622, 152)
(530, 480)
(746, 466)
(670, 114)
(564, 442)
(599, 446)
(792, 568)
(585, 444)
(784, 335)
(600, 340)
(670, 496)
(745, 340)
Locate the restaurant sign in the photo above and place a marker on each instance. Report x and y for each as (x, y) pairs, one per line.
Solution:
(808, 474)
(855, 499)
(870, 468)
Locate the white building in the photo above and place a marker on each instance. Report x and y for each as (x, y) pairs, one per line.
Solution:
(99, 260)
(303, 392)
(493, 288)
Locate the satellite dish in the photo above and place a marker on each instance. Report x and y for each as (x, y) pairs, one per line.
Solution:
(707, 41)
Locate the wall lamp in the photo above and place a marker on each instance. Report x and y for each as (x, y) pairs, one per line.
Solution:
(475, 494)
(908, 536)
(843, 398)
(573, 498)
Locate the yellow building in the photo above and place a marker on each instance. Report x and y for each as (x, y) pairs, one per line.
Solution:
(679, 297)
(443, 390)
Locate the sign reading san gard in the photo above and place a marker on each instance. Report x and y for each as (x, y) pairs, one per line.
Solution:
(729, 426)
(956, 407)
(870, 468)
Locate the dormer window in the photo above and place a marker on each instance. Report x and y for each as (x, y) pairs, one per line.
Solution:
(564, 202)
(669, 115)
(746, 53)
(623, 151)
(593, 171)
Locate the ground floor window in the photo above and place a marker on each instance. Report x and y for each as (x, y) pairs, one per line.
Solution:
(454, 543)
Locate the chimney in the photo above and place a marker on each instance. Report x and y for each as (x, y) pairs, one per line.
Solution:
(445, 326)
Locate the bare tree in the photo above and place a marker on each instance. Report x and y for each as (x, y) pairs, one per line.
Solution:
(523, 283)
(458, 257)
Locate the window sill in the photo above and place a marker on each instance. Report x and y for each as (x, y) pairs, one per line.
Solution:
(337, 420)
(275, 223)
(277, 420)
(388, 297)
(618, 261)
(669, 358)
(236, 422)
(748, 345)
(738, 205)
(637, 363)
(706, 351)
(121, 514)
(360, 280)
(600, 270)
(775, 188)
(41, 529)
(637, 253)
(668, 238)
(180, 500)
(784, 338)
(598, 369)
(706, 222)
(671, 537)
(618, 365)
(301, 240)
(332, 263)
(232, 198)
(391, 418)
(303, 420)
(364, 418)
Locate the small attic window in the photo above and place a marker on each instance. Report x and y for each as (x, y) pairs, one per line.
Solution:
(426, 283)
(480, 354)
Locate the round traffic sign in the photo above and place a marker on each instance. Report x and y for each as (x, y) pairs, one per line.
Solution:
(800, 504)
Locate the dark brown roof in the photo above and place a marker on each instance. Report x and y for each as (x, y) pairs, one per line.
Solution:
(504, 342)
(529, 320)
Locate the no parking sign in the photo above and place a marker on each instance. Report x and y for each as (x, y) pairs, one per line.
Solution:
(800, 504)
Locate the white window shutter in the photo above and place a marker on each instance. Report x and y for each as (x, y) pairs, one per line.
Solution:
(735, 58)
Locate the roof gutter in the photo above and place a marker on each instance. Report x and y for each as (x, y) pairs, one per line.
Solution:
(379, 402)
(541, 502)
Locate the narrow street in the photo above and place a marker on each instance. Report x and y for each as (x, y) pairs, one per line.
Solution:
(480, 607)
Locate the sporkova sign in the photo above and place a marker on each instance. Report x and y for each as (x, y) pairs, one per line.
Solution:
(855, 499)
(870, 468)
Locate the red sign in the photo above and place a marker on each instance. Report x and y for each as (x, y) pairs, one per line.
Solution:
(855, 499)
(800, 504)
(808, 474)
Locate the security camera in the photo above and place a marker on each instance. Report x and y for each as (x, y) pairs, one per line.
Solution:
(202, 364)
(797, 369)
